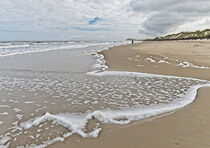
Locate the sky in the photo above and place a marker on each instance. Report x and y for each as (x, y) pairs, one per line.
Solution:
(100, 19)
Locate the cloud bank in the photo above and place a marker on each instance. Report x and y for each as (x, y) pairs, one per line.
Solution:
(165, 16)
(99, 20)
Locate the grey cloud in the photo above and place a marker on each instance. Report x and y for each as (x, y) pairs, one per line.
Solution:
(165, 16)
(162, 23)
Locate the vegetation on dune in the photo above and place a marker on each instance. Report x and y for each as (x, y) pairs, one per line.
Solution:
(205, 34)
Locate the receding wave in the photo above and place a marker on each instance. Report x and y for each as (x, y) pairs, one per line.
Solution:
(58, 106)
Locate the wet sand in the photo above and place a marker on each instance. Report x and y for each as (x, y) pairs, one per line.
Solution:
(185, 128)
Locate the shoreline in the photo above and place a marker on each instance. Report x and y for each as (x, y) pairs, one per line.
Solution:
(179, 128)
(185, 127)
(124, 59)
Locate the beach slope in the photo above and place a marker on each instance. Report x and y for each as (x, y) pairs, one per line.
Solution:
(186, 128)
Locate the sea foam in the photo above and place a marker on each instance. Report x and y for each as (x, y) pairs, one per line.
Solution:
(76, 123)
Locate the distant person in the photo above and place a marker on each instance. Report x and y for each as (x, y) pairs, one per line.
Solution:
(132, 41)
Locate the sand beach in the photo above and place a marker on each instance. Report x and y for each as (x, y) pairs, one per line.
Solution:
(185, 128)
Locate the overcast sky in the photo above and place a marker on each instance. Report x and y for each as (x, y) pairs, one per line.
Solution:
(100, 19)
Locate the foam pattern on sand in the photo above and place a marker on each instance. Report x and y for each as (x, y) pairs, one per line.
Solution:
(59, 105)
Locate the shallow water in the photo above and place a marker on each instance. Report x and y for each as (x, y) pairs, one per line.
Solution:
(46, 100)
(60, 57)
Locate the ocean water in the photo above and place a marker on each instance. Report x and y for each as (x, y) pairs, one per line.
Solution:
(52, 90)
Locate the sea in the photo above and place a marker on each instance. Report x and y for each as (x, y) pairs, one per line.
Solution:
(50, 91)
